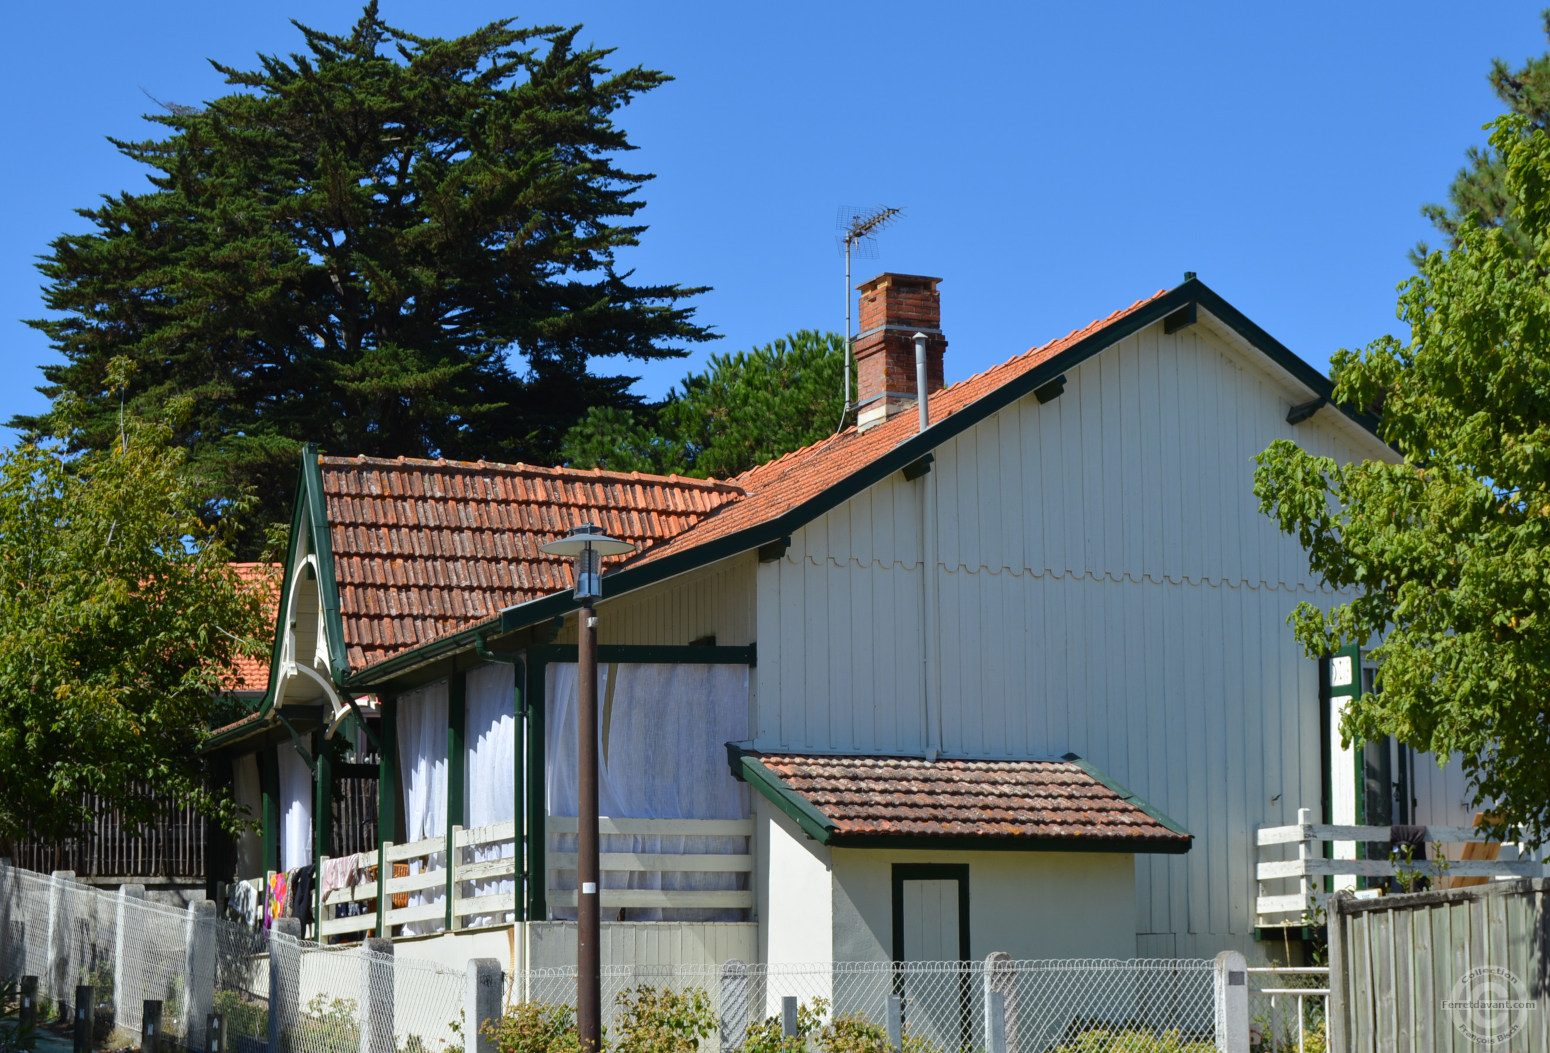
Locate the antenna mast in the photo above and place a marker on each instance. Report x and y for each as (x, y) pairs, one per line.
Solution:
(858, 233)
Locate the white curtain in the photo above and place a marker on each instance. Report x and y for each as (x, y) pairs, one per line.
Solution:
(422, 768)
(662, 731)
(295, 809)
(250, 800)
(489, 778)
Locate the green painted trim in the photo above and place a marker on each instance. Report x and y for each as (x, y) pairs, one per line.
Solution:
(266, 706)
(651, 653)
(958, 872)
(387, 801)
(323, 547)
(536, 839)
(457, 733)
(779, 793)
(322, 821)
(269, 786)
(385, 670)
(1134, 799)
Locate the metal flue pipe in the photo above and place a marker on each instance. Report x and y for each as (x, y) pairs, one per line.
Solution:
(921, 398)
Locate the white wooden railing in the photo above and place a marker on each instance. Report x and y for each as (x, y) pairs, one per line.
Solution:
(433, 870)
(1286, 907)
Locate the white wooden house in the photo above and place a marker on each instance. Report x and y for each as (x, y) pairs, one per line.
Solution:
(1020, 680)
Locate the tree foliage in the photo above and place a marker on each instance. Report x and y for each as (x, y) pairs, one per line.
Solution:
(743, 410)
(1447, 552)
(1480, 187)
(350, 248)
(120, 618)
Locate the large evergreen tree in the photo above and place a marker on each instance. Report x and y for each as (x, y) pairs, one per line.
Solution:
(1480, 187)
(745, 409)
(354, 248)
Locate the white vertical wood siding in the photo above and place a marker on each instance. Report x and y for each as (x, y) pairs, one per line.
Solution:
(1107, 587)
(715, 602)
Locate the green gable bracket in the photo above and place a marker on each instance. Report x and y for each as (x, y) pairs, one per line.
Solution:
(1180, 319)
(1047, 393)
(915, 469)
(774, 550)
(750, 769)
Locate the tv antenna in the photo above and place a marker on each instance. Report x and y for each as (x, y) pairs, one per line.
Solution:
(858, 229)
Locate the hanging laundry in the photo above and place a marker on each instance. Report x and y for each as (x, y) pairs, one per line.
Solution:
(302, 881)
(278, 905)
(339, 874)
(243, 902)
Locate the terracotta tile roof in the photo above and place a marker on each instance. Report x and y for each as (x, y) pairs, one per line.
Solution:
(782, 484)
(424, 549)
(252, 674)
(909, 797)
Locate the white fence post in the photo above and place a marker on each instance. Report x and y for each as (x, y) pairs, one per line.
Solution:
(736, 1003)
(377, 996)
(482, 1004)
(199, 970)
(284, 979)
(1001, 980)
(1232, 1002)
(128, 928)
(57, 952)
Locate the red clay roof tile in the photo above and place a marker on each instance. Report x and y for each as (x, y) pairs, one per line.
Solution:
(911, 797)
(424, 549)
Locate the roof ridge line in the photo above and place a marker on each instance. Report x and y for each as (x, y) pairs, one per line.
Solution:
(523, 467)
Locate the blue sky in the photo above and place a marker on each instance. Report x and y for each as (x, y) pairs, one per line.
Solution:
(1055, 161)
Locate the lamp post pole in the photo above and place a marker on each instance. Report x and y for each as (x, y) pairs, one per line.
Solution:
(589, 992)
(588, 545)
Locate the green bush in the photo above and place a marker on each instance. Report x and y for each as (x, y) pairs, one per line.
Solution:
(535, 1027)
(663, 1021)
(242, 1016)
(1129, 1040)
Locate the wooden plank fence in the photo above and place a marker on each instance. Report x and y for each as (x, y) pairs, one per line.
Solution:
(1400, 966)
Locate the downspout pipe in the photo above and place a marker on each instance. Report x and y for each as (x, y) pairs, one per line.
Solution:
(929, 654)
(518, 662)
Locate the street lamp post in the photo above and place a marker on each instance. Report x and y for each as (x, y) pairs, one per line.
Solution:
(588, 544)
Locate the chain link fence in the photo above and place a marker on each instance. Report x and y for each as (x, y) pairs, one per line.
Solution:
(279, 992)
(943, 1007)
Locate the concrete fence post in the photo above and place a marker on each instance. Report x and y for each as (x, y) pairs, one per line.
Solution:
(150, 1026)
(7, 883)
(27, 1012)
(215, 1033)
(895, 1023)
(85, 1017)
(128, 942)
(377, 996)
(482, 1004)
(1001, 979)
(199, 970)
(1232, 1002)
(736, 1004)
(789, 1020)
(57, 960)
(284, 979)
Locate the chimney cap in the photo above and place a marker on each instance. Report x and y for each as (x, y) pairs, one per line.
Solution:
(889, 277)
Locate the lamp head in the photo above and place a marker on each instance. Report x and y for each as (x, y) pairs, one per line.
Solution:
(588, 544)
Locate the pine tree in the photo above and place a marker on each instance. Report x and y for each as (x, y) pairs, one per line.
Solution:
(353, 248)
(745, 409)
(1480, 186)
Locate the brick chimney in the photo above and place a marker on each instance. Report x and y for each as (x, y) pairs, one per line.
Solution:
(894, 307)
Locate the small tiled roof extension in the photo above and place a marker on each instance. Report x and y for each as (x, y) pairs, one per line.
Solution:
(861, 801)
(423, 549)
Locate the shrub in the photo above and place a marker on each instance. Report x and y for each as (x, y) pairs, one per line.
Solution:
(1102, 1040)
(535, 1027)
(663, 1021)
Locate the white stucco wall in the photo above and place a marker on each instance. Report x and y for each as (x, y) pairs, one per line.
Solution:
(794, 890)
(1029, 904)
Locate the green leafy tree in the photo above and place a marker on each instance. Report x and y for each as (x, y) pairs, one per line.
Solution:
(354, 247)
(1480, 187)
(743, 410)
(120, 618)
(1447, 553)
